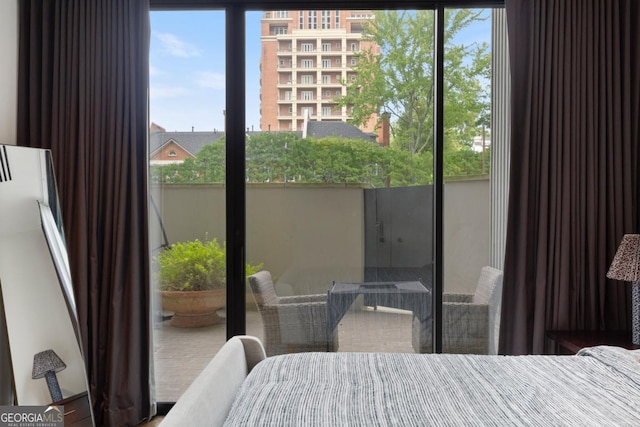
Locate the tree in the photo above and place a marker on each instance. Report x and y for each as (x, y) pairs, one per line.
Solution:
(400, 79)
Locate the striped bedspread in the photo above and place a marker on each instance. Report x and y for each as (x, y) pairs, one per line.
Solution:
(598, 387)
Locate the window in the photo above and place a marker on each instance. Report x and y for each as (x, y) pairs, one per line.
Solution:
(278, 29)
(282, 14)
(326, 47)
(172, 153)
(307, 47)
(326, 19)
(338, 61)
(307, 79)
(326, 63)
(313, 20)
(255, 252)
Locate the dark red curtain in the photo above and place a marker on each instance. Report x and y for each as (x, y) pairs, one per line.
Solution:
(574, 184)
(83, 81)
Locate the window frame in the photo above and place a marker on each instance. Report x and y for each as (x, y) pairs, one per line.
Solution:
(235, 126)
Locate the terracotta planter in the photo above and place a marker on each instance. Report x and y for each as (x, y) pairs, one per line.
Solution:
(193, 309)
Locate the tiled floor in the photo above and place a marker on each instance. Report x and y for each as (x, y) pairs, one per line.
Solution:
(181, 354)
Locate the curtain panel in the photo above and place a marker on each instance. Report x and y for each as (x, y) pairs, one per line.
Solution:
(575, 69)
(83, 82)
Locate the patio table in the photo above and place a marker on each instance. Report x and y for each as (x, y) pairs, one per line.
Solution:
(413, 296)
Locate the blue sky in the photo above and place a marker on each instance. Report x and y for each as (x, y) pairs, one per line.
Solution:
(187, 68)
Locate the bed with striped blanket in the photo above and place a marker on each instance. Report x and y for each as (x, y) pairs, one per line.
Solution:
(598, 387)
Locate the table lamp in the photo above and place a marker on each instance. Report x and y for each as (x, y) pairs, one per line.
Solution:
(46, 364)
(626, 266)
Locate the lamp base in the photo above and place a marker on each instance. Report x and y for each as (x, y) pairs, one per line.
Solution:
(54, 387)
(635, 313)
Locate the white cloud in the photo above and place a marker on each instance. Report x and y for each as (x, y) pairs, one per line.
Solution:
(155, 71)
(174, 46)
(210, 80)
(157, 92)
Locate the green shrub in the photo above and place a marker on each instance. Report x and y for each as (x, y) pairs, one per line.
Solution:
(195, 266)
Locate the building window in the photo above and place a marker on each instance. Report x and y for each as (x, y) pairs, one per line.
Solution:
(307, 79)
(338, 92)
(327, 93)
(290, 109)
(278, 29)
(172, 153)
(337, 60)
(326, 19)
(281, 13)
(307, 95)
(326, 79)
(353, 61)
(307, 63)
(307, 47)
(307, 111)
(326, 111)
(313, 20)
(353, 47)
(326, 63)
(287, 95)
(281, 62)
(326, 47)
(301, 19)
(337, 19)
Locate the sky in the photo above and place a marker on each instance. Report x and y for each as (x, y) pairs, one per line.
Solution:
(187, 68)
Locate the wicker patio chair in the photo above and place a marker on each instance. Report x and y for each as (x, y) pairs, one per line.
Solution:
(294, 323)
(470, 322)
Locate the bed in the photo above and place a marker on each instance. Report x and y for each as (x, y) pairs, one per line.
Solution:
(598, 387)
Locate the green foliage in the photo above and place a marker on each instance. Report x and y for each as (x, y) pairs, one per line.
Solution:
(399, 80)
(284, 157)
(195, 266)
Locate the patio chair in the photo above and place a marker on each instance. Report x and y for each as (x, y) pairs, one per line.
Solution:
(293, 323)
(470, 322)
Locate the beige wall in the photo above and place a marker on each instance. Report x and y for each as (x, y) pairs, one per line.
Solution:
(467, 232)
(308, 236)
(8, 70)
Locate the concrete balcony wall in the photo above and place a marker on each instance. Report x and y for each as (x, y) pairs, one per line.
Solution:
(311, 235)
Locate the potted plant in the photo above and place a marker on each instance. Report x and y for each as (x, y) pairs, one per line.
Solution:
(193, 281)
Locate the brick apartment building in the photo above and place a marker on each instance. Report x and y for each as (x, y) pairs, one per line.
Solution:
(306, 55)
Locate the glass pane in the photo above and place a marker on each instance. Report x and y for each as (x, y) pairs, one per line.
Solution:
(339, 180)
(467, 186)
(187, 215)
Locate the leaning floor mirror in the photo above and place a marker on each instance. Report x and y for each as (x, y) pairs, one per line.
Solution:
(41, 339)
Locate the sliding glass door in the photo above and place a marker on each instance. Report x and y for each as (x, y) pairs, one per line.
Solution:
(338, 158)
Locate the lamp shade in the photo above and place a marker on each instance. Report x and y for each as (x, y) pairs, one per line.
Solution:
(46, 361)
(626, 263)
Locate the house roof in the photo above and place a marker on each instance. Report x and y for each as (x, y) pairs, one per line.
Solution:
(337, 129)
(190, 141)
